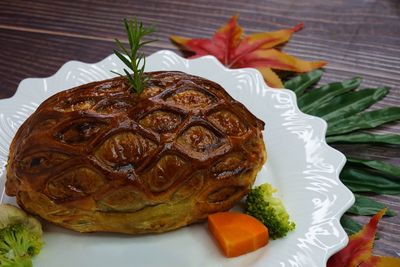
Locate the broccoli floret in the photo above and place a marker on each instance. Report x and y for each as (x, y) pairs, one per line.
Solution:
(20, 237)
(269, 210)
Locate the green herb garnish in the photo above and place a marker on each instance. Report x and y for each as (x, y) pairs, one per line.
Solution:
(136, 61)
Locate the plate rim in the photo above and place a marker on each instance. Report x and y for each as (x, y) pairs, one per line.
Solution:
(341, 210)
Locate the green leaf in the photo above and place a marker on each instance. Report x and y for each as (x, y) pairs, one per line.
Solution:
(121, 46)
(365, 120)
(356, 138)
(321, 96)
(128, 29)
(129, 77)
(362, 181)
(350, 225)
(123, 58)
(381, 166)
(146, 42)
(119, 74)
(303, 81)
(350, 103)
(367, 206)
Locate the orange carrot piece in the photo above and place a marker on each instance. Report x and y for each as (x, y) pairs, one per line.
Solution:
(237, 233)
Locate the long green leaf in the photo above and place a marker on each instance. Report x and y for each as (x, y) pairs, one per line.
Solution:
(119, 74)
(350, 103)
(365, 120)
(361, 181)
(303, 81)
(392, 139)
(123, 58)
(367, 206)
(378, 165)
(121, 46)
(129, 77)
(324, 94)
(350, 225)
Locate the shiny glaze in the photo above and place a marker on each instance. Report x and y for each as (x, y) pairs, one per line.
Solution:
(102, 148)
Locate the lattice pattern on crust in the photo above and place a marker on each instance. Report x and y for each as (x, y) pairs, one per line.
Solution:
(104, 142)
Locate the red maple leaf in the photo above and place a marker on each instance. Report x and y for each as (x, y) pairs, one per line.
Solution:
(235, 50)
(358, 252)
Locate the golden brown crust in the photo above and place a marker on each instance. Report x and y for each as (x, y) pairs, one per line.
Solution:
(101, 158)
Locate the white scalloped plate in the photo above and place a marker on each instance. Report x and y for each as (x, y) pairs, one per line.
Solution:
(300, 164)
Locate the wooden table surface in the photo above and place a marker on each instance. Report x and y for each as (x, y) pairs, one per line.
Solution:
(357, 38)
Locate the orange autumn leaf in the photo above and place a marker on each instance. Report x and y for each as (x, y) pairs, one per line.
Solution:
(380, 261)
(258, 50)
(358, 252)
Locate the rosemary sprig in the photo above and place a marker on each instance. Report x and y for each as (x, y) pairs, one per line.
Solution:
(136, 61)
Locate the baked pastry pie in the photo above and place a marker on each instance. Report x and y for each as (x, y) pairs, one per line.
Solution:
(99, 157)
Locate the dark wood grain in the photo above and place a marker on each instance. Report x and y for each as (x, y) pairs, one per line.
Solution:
(357, 38)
